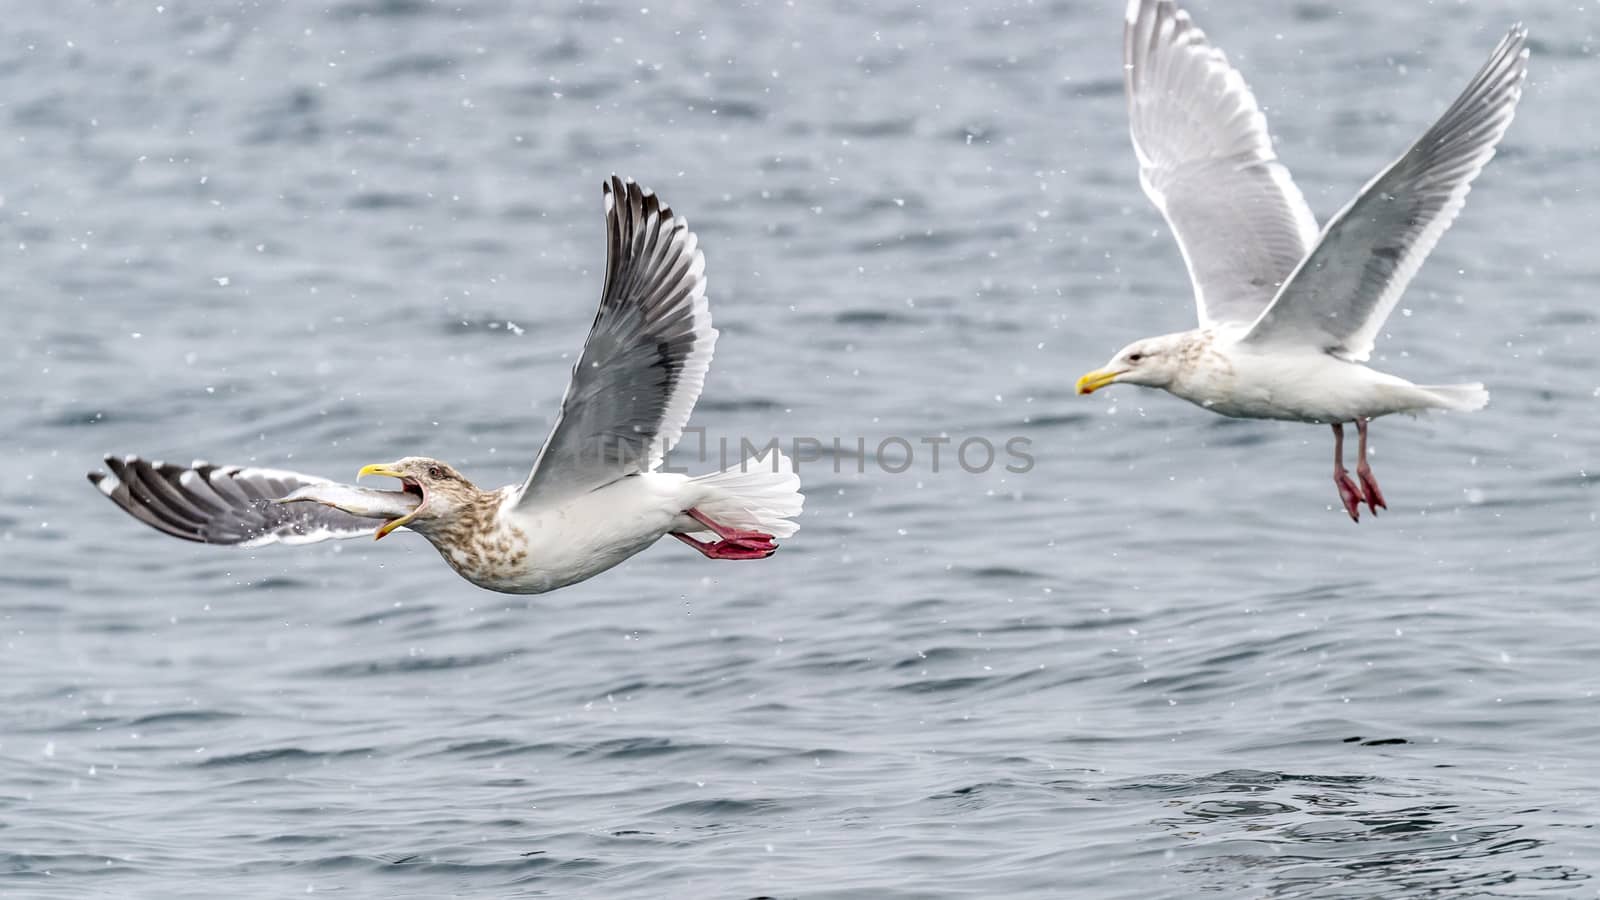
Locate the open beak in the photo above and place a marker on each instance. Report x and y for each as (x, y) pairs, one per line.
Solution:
(409, 485)
(1096, 380)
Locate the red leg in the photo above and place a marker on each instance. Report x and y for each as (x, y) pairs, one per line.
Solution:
(734, 544)
(725, 550)
(1369, 484)
(724, 532)
(1349, 494)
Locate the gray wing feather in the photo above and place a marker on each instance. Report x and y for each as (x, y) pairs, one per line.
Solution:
(1206, 161)
(223, 504)
(645, 360)
(1344, 291)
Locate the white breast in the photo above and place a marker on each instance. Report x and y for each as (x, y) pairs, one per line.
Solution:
(1308, 386)
(583, 536)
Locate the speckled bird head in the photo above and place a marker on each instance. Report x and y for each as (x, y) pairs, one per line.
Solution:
(445, 493)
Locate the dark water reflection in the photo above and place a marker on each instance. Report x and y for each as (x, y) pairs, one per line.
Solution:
(1289, 835)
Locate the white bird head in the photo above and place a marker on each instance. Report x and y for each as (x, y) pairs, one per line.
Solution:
(1153, 362)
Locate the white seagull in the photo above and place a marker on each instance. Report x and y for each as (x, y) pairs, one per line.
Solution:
(1288, 315)
(595, 496)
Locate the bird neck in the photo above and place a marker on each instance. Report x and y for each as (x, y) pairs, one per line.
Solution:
(473, 512)
(1200, 371)
(477, 541)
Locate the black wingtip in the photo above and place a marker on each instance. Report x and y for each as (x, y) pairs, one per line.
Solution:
(118, 466)
(618, 184)
(639, 197)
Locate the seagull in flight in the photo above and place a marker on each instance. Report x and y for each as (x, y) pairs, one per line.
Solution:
(1288, 314)
(595, 496)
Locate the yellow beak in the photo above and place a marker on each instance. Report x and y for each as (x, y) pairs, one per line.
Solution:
(392, 524)
(1096, 380)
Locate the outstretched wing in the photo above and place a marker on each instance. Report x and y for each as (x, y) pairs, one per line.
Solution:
(224, 504)
(646, 358)
(1206, 162)
(1343, 292)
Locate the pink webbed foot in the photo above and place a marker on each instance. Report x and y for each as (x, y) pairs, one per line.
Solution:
(1348, 493)
(735, 543)
(1369, 484)
(754, 545)
(1369, 487)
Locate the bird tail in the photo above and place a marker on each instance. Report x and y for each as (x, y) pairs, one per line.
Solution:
(1459, 397)
(761, 494)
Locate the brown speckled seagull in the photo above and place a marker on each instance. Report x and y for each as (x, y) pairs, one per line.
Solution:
(596, 495)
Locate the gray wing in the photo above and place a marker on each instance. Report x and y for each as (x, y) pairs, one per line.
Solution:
(1206, 162)
(645, 360)
(1344, 291)
(224, 504)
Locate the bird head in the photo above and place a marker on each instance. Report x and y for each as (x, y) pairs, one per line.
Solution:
(443, 490)
(1152, 362)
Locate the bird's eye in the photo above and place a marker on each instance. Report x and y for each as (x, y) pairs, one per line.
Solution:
(435, 472)
(1135, 357)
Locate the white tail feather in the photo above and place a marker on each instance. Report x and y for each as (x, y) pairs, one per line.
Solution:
(1459, 397)
(760, 494)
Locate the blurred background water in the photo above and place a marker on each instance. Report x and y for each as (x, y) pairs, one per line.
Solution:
(1159, 664)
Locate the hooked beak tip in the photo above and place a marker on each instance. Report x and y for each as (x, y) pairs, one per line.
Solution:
(388, 527)
(1096, 380)
(375, 469)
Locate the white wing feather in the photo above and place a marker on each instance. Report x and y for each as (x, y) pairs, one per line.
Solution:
(1206, 161)
(1344, 291)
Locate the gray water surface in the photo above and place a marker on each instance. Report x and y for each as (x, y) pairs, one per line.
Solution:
(1161, 663)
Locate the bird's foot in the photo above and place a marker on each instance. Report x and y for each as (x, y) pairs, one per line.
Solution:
(735, 545)
(1348, 493)
(1369, 487)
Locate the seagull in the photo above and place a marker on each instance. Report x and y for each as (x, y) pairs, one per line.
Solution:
(596, 494)
(1289, 314)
